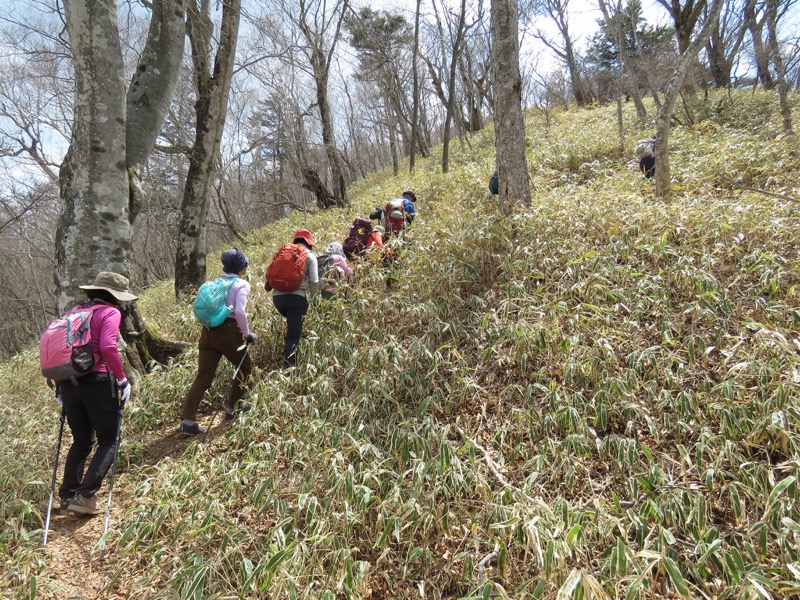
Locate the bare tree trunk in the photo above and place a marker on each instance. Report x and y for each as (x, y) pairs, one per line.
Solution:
(212, 88)
(415, 109)
(512, 163)
(663, 185)
(152, 88)
(451, 87)
(94, 231)
(113, 132)
(392, 134)
(684, 18)
(756, 28)
(320, 60)
(780, 69)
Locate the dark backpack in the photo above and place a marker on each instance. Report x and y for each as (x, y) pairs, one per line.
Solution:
(494, 183)
(288, 268)
(355, 244)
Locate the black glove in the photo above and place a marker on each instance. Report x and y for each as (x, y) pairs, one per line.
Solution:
(251, 338)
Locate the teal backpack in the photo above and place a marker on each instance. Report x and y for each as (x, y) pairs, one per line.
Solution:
(209, 306)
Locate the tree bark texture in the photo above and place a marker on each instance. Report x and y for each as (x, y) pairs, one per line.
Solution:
(152, 87)
(94, 231)
(97, 190)
(415, 93)
(320, 66)
(512, 163)
(684, 18)
(451, 87)
(780, 69)
(663, 185)
(212, 88)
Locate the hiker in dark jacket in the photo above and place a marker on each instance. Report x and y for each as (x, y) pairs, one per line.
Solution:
(226, 340)
(294, 305)
(93, 403)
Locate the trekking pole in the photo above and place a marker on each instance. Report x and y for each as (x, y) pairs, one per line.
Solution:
(53, 480)
(111, 481)
(229, 388)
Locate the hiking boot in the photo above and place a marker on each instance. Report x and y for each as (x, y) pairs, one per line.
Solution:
(64, 503)
(84, 506)
(193, 429)
(230, 415)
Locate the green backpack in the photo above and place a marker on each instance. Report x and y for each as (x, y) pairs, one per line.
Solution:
(209, 307)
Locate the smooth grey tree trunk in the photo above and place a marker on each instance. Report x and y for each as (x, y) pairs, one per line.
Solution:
(212, 85)
(663, 185)
(512, 163)
(113, 132)
(94, 230)
(151, 89)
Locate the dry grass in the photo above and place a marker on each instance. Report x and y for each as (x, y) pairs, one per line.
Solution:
(596, 398)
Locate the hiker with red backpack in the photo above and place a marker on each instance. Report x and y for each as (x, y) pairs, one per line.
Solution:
(92, 401)
(292, 277)
(229, 338)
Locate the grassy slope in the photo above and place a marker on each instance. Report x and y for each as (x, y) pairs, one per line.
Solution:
(598, 395)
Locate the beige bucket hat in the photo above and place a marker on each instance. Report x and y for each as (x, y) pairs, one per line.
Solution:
(113, 283)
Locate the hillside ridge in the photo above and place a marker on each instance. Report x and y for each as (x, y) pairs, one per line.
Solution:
(597, 396)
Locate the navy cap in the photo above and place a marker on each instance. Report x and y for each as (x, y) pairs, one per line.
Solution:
(234, 261)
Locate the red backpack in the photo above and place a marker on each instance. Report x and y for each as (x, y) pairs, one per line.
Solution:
(395, 217)
(288, 268)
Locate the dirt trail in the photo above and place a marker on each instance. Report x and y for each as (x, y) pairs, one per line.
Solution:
(75, 562)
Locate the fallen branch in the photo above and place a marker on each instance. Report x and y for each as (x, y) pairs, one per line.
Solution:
(759, 191)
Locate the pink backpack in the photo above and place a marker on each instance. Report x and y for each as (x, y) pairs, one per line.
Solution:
(65, 347)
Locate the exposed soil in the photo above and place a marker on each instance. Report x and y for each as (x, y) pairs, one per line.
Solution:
(77, 564)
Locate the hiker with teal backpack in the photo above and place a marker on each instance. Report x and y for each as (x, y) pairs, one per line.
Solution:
(90, 385)
(220, 308)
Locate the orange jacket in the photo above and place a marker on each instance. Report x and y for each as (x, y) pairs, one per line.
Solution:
(375, 239)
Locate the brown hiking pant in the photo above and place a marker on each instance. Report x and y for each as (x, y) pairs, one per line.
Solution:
(215, 343)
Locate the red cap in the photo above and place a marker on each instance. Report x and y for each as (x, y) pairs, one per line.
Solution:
(305, 235)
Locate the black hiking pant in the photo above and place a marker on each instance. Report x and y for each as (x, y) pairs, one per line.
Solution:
(293, 308)
(92, 410)
(648, 166)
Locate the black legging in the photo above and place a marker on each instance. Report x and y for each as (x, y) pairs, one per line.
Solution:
(648, 166)
(293, 308)
(92, 410)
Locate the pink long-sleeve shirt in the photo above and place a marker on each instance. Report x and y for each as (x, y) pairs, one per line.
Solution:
(106, 320)
(237, 300)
